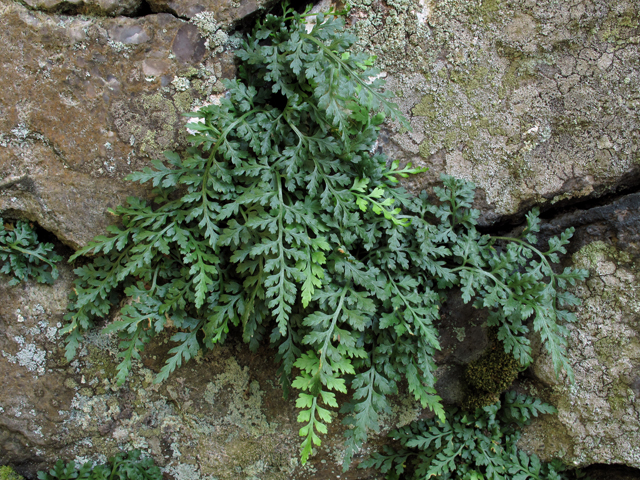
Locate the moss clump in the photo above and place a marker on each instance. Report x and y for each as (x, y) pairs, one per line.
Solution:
(8, 473)
(489, 376)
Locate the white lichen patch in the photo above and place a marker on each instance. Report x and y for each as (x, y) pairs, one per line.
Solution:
(182, 471)
(29, 356)
(181, 84)
(598, 418)
(32, 358)
(214, 33)
(119, 47)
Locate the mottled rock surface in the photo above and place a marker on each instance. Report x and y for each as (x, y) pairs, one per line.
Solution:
(86, 7)
(222, 11)
(221, 416)
(536, 102)
(85, 101)
(598, 417)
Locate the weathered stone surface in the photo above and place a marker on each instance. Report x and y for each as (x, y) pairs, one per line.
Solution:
(536, 102)
(221, 416)
(85, 101)
(88, 7)
(598, 417)
(222, 11)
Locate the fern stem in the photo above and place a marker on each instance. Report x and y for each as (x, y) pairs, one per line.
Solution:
(27, 252)
(334, 321)
(488, 274)
(542, 256)
(355, 76)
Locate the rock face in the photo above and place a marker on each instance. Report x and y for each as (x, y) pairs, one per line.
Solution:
(87, 100)
(536, 102)
(599, 416)
(221, 416)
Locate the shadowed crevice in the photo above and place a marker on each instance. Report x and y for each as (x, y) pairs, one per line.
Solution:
(599, 198)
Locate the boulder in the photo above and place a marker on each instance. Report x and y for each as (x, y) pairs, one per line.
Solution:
(598, 418)
(87, 100)
(535, 102)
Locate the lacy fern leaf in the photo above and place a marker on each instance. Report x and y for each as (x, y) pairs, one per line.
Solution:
(22, 256)
(480, 445)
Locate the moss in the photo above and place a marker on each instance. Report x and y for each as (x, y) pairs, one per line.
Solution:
(489, 376)
(8, 473)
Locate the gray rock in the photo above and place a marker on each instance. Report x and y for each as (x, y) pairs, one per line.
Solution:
(598, 418)
(536, 102)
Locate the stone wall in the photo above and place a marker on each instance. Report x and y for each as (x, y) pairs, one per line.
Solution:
(536, 102)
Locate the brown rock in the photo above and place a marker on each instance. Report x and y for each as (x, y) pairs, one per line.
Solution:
(224, 11)
(89, 7)
(85, 101)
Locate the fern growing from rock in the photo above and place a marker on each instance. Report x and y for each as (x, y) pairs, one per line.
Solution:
(123, 466)
(283, 220)
(24, 256)
(480, 445)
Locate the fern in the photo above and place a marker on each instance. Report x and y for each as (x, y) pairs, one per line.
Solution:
(283, 221)
(470, 446)
(123, 466)
(24, 256)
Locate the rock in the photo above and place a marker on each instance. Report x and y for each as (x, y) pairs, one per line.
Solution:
(87, 100)
(536, 102)
(221, 11)
(91, 7)
(598, 418)
(220, 416)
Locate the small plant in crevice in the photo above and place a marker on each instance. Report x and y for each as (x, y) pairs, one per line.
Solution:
(23, 256)
(123, 466)
(479, 445)
(283, 220)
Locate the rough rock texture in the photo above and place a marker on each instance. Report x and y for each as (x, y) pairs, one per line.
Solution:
(535, 101)
(85, 101)
(89, 7)
(225, 11)
(598, 417)
(220, 417)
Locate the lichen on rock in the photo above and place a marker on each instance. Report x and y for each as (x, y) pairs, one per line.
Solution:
(528, 100)
(598, 416)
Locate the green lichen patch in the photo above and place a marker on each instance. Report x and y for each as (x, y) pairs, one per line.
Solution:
(600, 409)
